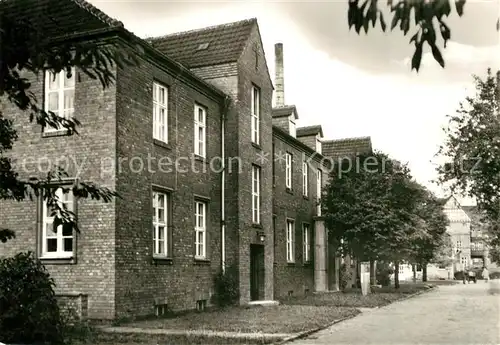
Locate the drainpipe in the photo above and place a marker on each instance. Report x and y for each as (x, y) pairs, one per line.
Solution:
(225, 108)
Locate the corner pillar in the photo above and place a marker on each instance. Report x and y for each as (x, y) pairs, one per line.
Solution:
(320, 255)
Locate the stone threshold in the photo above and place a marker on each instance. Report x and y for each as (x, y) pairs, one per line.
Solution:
(207, 333)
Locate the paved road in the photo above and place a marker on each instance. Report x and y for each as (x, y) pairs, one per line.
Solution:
(458, 315)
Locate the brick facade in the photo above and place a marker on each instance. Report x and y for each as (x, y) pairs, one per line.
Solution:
(113, 266)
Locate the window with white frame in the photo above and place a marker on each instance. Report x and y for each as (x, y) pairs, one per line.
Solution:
(200, 230)
(305, 179)
(401, 269)
(459, 246)
(59, 95)
(306, 242)
(160, 224)
(57, 243)
(255, 194)
(319, 181)
(290, 240)
(288, 170)
(200, 131)
(160, 112)
(255, 115)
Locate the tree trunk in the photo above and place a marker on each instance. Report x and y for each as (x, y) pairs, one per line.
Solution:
(424, 272)
(414, 268)
(396, 275)
(373, 279)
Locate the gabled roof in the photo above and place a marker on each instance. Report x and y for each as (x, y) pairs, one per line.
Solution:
(285, 110)
(346, 147)
(309, 131)
(208, 46)
(59, 18)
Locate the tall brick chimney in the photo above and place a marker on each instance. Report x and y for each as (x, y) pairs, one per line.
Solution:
(279, 77)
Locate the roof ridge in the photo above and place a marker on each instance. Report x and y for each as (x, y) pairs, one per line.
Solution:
(98, 13)
(249, 20)
(346, 139)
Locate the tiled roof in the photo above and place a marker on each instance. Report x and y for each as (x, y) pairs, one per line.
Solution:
(208, 46)
(59, 17)
(346, 147)
(309, 130)
(285, 110)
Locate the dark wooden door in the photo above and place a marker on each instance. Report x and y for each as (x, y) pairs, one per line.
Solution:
(256, 272)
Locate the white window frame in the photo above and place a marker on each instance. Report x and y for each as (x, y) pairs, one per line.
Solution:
(200, 229)
(200, 142)
(160, 223)
(319, 182)
(305, 179)
(61, 111)
(255, 194)
(290, 240)
(160, 129)
(67, 201)
(401, 269)
(459, 245)
(288, 170)
(255, 116)
(306, 242)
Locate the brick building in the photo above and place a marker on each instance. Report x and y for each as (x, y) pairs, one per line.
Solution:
(181, 138)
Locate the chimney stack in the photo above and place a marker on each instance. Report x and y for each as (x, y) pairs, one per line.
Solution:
(279, 77)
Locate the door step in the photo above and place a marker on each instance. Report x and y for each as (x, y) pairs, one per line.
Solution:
(264, 303)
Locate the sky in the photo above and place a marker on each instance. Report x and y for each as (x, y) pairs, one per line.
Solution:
(353, 85)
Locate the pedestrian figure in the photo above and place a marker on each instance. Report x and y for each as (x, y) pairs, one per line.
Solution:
(486, 274)
(472, 276)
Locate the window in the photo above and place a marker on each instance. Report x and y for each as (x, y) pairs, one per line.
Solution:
(59, 95)
(200, 230)
(256, 194)
(305, 179)
(459, 246)
(318, 145)
(319, 182)
(288, 171)
(161, 240)
(160, 112)
(401, 269)
(255, 115)
(290, 241)
(200, 132)
(57, 243)
(463, 260)
(306, 242)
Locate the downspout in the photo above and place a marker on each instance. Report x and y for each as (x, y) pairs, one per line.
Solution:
(225, 108)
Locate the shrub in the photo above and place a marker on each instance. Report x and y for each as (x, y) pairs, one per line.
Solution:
(28, 307)
(227, 290)
(495, 275)
(459, 275)
(383, 274)
(345, 276)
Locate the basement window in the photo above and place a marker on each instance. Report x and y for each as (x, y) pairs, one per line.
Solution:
(203, 46)
(160, 309)
(201, 305)
(290, 293)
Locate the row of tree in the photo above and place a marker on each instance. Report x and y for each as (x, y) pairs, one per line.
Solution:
(379, 212)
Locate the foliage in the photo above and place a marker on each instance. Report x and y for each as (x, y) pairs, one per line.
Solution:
(459, 275)
(495, 254)
(227, 290)
(383, 273)
(27, 49)
(472, 150)
(426, 16)
(345, 276)
(28, 308)
(371, 209)
(443, 254)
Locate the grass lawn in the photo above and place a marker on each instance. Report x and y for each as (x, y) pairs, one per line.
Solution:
(354, 299)
(255, 319)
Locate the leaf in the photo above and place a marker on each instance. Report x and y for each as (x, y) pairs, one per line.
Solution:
(459, 5)
(382, 22)
(417, 56)
(437, 55)
(395, 19)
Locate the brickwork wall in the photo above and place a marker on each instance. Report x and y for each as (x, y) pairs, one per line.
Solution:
(140, 280)
(294, 277)
(92, 272)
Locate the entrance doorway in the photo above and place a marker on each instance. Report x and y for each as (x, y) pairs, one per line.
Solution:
(256, 272)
